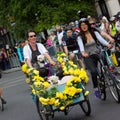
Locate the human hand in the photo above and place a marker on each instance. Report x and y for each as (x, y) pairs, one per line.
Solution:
(109, 46)
(84, 54)
(52, 62)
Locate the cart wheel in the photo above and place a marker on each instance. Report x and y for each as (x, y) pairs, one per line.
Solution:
(44, 115)
(85, 105)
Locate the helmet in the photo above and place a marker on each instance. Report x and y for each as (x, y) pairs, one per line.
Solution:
(83, 20)
(118, 16)
(68, 28)
(112, 18)
(72, 24)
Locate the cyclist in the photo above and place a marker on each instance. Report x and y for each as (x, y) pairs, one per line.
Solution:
(87, 41)
(94, 24)
(32, 50)
(70, 45)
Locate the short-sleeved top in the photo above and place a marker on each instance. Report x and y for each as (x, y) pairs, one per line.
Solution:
(28, 53)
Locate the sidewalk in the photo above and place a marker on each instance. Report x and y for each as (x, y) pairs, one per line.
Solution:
(12, 70)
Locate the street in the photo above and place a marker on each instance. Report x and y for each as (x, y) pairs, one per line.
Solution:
(20, 105)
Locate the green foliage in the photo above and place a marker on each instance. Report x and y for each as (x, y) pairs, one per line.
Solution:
(40, 14)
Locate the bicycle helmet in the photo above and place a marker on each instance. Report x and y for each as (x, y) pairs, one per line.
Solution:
(68, 28)
(72, 24)
(112, 19)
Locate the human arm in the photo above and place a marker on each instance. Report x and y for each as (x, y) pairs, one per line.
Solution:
(107, 36)
(44, 52)
(81, 47)
(102, 40)
(49, 59)
(27, 56)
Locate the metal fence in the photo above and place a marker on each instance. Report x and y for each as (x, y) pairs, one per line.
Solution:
(14, 60)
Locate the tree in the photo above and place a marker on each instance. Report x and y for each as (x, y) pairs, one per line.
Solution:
(40, 14)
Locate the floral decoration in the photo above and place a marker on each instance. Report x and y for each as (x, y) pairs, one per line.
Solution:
(48, 92)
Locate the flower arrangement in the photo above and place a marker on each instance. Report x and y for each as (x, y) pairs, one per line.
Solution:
(48, 91)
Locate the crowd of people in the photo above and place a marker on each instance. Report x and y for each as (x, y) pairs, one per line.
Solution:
(81, 37)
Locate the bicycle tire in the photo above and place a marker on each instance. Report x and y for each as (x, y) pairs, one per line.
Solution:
(117, 77)
(41, 110)
(102, 88)
(112, 84)
(85, 106)
(101, 80)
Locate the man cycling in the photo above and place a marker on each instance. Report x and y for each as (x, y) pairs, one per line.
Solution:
(70, 44)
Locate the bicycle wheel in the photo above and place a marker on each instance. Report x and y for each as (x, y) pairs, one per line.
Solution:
(102, 87)
(101, 80)
(117, 77)
(43, 114)
(85, 106)
(112, 84)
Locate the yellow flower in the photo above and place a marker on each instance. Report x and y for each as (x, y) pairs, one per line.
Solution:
(71, 71)
(69, 102)
(77, 72)
(79, 90)
(69, 83)
(63, 55)
(33, 91)
(24, 68)
(52, 101)
(59, 95)
(30, 70)
(27, 80)
(71, 63)
(36, 72)
(37, 84)
(71, 91)
(57, 103)
(86, 93)
(44, 101)
(59, 60)
(46, 85)
(62, 107)
(38, 78)
(65, 72)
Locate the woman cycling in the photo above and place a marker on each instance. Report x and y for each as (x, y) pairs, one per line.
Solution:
(87, 41)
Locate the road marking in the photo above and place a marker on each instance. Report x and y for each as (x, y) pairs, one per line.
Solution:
(17, 79)
(12, 85)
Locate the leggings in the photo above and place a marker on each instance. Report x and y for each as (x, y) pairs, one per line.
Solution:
(91, 64)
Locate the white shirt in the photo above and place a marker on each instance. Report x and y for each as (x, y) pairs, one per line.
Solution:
(28, 53)
(60, 35)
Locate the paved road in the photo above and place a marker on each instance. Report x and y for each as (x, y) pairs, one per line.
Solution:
(20, 105)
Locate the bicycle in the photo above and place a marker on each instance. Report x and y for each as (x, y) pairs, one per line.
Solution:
(109, 74)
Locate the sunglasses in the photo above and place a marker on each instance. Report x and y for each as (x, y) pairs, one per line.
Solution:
(32, 36)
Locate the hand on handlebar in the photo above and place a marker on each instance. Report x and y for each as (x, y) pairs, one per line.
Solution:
(84, 54)
(109, 46)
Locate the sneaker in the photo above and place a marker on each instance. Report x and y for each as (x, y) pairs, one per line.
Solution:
(97, 94)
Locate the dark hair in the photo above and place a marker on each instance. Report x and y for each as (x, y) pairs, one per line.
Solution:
(91, 30)
(28, 31)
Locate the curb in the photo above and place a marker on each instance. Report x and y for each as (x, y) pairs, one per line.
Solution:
(11, 70)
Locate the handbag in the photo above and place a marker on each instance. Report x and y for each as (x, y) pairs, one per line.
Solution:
(114, 59)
